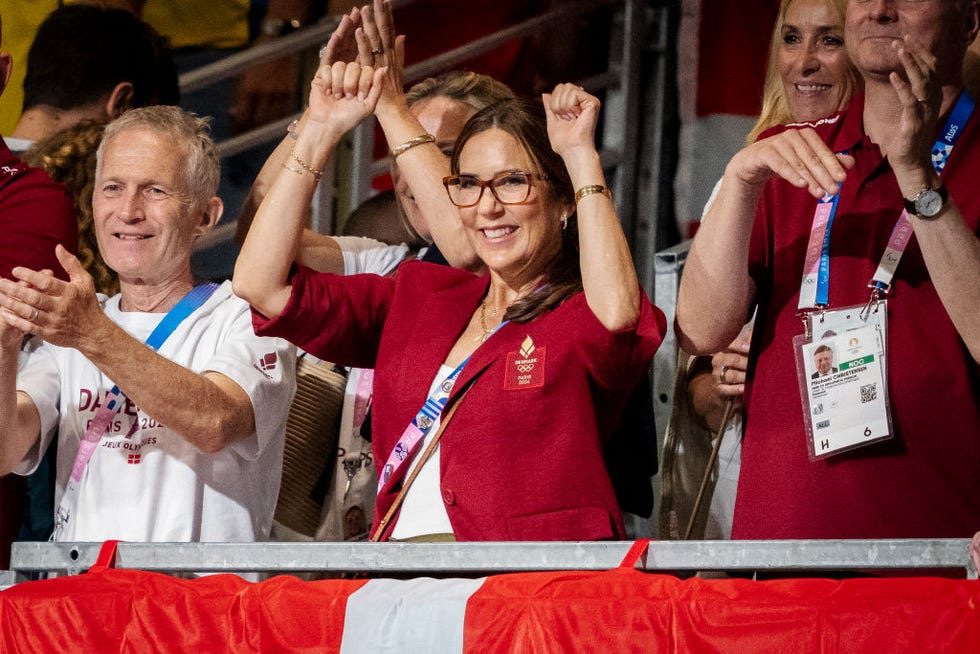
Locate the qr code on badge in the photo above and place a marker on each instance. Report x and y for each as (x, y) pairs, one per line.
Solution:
(869, 393)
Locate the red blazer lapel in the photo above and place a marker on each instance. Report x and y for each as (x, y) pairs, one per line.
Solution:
(437, 324)
(444, 316)
(488, 352)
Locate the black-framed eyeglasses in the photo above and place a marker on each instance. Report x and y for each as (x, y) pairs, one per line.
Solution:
(509, 187)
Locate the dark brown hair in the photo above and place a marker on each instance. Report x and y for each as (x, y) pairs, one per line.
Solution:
(525, 120)
(81, 52)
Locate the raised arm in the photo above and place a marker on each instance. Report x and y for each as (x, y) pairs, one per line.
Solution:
(716, 292)
(341, 96)
(423, 166)
(950, 249)
(317, 251)
(608, 275)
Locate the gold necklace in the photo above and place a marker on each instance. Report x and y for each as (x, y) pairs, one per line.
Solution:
(482, 338)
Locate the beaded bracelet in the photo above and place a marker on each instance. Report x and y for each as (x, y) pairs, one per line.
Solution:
(411, 143)
(589, 190)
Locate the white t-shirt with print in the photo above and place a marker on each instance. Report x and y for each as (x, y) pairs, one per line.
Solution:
(145, 482)
(366, 255)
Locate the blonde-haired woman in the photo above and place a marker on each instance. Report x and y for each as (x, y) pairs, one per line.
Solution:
(809, 77)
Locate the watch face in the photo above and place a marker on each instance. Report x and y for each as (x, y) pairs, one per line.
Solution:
(928, 203)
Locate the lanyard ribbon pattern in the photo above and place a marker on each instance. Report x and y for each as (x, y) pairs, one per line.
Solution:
(115, 398)
(815, 285)
(422, 423)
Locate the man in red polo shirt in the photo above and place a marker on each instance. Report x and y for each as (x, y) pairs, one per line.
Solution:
(915, 476)
(35, 215)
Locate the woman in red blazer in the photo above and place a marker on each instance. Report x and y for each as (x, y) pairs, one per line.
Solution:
(535, 358)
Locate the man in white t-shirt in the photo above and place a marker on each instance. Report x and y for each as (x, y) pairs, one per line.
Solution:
(192, 449)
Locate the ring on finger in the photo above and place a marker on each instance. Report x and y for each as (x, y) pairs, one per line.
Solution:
(721, 375)
(377, 51)
(34, 315)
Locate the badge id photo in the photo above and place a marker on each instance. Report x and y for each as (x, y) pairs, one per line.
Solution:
(842, 388)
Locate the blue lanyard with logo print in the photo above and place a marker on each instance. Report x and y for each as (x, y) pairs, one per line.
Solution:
(814, 288)
(423, 421)
(902, 232)
(114, 400)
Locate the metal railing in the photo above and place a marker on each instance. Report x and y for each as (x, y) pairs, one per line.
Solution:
(447, 559)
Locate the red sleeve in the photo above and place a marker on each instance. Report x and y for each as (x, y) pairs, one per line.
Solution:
(617, 360)
(35, 215)
(335, 318)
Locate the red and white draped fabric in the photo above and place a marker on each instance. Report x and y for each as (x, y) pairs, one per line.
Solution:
(723, 49)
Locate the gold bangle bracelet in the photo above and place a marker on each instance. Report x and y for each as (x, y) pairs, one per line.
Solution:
(411, 143)
(589, 190)
(295, 170)
(317, 174)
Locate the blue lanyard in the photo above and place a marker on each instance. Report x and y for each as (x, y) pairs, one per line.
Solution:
(422, 422)
(823, 271)
(187, 305)
(952, 131)
(436, 402)
(816, 268)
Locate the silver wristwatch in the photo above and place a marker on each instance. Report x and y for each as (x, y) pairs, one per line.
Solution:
(928, 202)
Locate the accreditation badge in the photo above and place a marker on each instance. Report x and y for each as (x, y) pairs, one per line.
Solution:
(841, 368)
